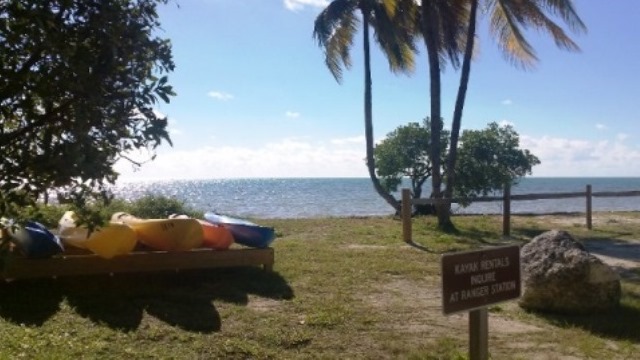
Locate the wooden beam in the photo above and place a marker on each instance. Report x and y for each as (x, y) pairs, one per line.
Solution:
(19, 267)
(406, 215)
(615, 193)
(506, 211)
(589, 207)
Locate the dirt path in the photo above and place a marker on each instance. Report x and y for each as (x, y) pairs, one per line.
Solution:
(622, 255)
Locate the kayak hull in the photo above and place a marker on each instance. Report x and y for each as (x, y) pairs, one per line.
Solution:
(114, 239)
(35, 241)
(164, 234)
(244, 232)
(214, 236)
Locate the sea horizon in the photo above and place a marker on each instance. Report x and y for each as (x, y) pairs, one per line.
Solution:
(344, 177)
(354, 196)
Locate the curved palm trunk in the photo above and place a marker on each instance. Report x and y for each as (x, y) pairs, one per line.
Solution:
(460, 99)
(431, 26)
(368, 118)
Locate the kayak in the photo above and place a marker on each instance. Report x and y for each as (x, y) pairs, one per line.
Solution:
(164, 234)
(112, 240)
(244, 232)
(35, 241)
(213, 236)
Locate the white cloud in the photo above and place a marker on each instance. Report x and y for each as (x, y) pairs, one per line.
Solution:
(504, 123)
(289, 157)
(171, 124)
(601, 126)
(219, 95)
(344, 157)
(576, 157)
(506, 102)
(622, 137)
(360, 139)
(292, 114)
(295, 5)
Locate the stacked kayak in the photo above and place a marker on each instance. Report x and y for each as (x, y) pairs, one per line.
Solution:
(164, 234)
(34, 240)
(112, 240)
(213, 236)
(244, 232)
(124, 232)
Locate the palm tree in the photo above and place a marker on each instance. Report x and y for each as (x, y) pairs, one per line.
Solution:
(392, 22)
(508, 20)
(443, 22)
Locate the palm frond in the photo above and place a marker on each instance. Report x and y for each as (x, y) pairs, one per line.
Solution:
(395, 35)
(390, 6)
(510, 18)
(454, 15)
(330, 18)
(338, 46)
(334, 29)
(505, 26)
(566, 11)
(447, 20)
(535, 16)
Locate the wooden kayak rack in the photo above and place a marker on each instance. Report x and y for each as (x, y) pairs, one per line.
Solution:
(79, 262)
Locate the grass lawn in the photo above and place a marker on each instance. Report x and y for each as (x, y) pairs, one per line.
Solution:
(341, 288)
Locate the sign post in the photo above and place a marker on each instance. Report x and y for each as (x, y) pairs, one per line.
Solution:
(473, 280)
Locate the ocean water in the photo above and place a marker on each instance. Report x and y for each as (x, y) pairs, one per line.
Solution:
(343, 197)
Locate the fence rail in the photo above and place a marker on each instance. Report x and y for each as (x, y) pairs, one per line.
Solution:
(506, 198)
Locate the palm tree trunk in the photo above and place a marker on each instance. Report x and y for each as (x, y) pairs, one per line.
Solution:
(368, 118)
(431, 30)
(459, 106)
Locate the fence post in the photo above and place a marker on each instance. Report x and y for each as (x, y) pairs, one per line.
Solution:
(506, 211)
(589, 222)
(405, 213)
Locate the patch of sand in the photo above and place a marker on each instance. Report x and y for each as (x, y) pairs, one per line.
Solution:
(421, 305)
(365, 247)
(263, 304)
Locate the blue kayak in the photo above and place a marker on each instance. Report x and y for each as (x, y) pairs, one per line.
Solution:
(35, 241)
(244, 232)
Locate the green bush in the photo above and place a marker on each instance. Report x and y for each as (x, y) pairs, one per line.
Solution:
(48, 215)
(149, 206)
(159, 206)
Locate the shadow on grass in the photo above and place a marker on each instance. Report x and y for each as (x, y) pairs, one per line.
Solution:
(620, 324)
(421, 247)
(185, 299)
(471, 236)
(30, 302)
(526, 233)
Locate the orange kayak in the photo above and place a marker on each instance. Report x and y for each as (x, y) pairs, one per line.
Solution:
(213, 236)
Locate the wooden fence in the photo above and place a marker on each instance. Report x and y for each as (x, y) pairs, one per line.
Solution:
(506, 198)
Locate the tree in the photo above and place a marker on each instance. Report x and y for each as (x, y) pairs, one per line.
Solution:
(405, 153)
(508, 20)
(392, 21)
(490, 159)
(443, 23)
(78, 82)
(442, 20)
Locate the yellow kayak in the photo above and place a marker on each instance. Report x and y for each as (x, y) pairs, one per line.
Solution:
(164, 234)
(107, 242)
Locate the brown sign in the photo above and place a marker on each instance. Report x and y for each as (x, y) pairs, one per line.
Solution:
(476, 279)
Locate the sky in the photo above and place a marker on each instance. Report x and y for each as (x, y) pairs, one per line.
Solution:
(255, 99)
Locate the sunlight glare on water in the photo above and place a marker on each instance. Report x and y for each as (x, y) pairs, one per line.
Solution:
(341, 197)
